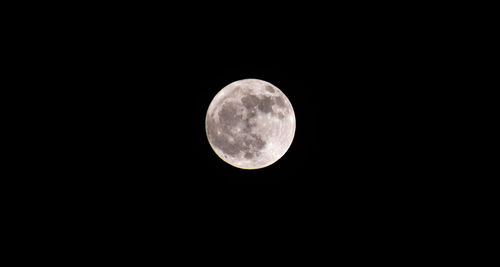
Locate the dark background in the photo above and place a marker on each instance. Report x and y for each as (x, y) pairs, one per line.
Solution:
(121, 153)
(141, 85)
(129, 87)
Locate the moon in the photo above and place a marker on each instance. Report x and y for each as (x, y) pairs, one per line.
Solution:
(250, 124)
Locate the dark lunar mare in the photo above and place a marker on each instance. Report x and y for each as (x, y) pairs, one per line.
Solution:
(269, 88)
(280, 101)
(229, 115)
(250, 101)
(229, 118)
(266, 104)
(221, 140)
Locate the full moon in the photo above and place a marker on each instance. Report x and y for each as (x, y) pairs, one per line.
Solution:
(250, 124)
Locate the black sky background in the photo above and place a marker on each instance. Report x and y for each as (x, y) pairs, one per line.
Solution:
(130, 91)
(143, 85)
(120, 145)
(349, 105)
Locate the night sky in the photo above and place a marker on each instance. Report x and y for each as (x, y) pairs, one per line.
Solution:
(121, 153)
(353, 86)
(150, 107)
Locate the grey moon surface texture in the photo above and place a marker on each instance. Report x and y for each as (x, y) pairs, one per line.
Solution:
(250, 124)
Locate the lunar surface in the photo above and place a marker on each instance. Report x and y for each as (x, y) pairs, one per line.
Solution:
(250, 124)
